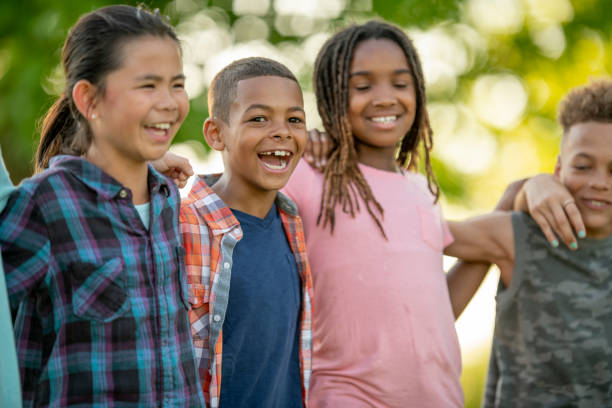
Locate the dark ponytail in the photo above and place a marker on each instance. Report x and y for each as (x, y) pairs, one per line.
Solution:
(92, 50)
(58, 122)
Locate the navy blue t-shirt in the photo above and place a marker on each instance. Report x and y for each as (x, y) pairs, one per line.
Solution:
(261, 328)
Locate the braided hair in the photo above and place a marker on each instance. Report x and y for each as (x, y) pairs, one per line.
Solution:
(343, 182)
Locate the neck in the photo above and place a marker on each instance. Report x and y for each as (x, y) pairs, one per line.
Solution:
(130, 174)
(237, 196)
(599, 233)
(379, 158)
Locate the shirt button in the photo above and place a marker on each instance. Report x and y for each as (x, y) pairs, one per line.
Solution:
(226, 265)
(123, 193)
(216, 318)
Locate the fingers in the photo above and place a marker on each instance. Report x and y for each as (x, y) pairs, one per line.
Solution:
(317, 149)
(180, 183)
(562, 219)
(546, 228)
(179, 163)
(308, 156)
(325, 147)
(178, 176)
(575, 218)
(561, 225)
(553, 207)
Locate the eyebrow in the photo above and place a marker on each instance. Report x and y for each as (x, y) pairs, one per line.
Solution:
(588, 157)
(268, 108)
(396, 72)
(152, 77)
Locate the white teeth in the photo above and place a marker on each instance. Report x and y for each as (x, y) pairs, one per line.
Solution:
(275, 167)
(162, 126)
(280, 153)
(383, 119)
(595, 203)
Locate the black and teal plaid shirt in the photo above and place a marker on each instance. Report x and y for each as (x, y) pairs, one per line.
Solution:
(100, 302)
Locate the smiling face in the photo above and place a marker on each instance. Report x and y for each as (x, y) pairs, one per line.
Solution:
(382, 99)
(585, 168)
(142, 105)
(265, 136)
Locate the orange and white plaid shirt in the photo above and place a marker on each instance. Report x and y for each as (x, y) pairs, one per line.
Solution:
(210, 232)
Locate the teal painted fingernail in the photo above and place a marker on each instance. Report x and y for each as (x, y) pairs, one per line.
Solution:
(554, 243)
(581, 234)
(574, 245)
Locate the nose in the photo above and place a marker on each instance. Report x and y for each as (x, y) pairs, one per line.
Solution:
(384, 97)
(167, 100)
(281, 130)
(601, 181)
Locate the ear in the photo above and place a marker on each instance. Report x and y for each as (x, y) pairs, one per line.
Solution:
(83, 94)
(558, 167)
(212, 131)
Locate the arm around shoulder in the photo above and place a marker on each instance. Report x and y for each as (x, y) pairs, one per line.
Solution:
(484, 238)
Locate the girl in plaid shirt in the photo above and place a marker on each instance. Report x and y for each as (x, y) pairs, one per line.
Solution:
(91, 247)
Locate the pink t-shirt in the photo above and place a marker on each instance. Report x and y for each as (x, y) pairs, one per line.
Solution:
(384, 332)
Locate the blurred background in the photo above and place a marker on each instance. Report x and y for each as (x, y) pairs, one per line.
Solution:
(495, 71)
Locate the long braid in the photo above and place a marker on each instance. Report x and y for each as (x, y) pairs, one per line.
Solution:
(408, 155)
(343, 181)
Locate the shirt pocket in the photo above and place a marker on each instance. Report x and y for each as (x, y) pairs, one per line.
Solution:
(98, 292)
(182, 276)
(431, 228)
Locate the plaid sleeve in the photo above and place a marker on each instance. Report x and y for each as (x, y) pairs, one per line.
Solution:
(197, 262)
(26, 248)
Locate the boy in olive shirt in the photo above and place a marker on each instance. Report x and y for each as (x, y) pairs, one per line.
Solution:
(553, 337)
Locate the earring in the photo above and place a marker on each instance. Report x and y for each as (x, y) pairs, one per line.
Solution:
(93, 116)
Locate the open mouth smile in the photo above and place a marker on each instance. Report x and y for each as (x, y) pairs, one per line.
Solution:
(384, 119)
(275, 159)
(160, 130)
(596, 204)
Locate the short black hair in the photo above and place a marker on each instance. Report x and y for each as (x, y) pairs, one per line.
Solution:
(222, 90)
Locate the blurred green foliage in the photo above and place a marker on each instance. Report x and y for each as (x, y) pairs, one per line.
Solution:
(32, 33)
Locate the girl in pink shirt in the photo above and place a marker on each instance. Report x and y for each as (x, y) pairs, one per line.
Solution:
(384, 331)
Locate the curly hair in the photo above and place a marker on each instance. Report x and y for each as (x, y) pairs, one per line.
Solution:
(343, 181)
(589, 103)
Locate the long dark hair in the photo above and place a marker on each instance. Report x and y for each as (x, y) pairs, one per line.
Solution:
(343, 181)
(92, 50)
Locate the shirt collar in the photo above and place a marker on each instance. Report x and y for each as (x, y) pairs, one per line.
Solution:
(217, 214)
(103, 184)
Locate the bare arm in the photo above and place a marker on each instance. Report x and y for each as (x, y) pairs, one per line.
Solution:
(483, 238)
(464, 278)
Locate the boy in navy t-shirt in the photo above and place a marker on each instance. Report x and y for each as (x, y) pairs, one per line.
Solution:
(249, 281)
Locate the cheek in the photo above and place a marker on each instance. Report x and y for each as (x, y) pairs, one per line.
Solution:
(300, 138)
(572, 182)
(183, 103)
(356, 104)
